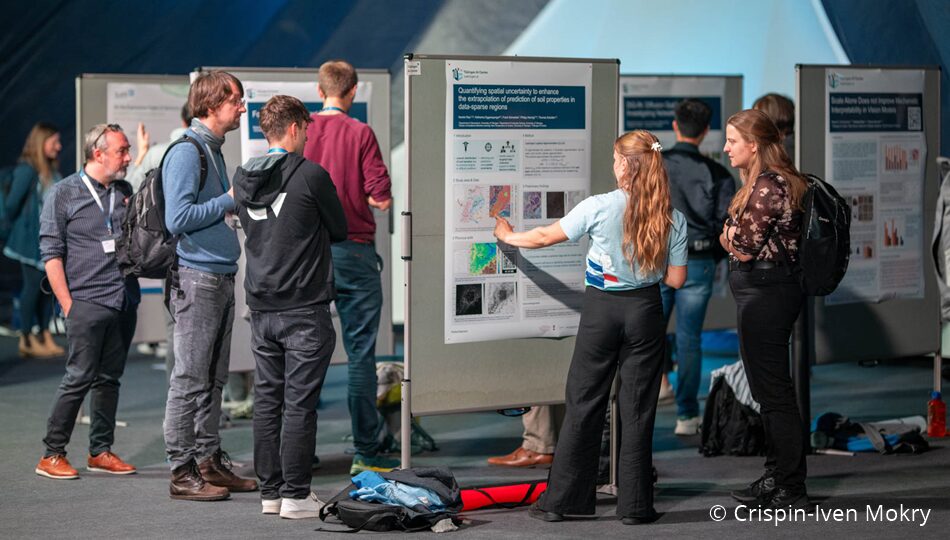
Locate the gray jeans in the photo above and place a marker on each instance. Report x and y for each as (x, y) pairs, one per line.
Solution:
(203, 307)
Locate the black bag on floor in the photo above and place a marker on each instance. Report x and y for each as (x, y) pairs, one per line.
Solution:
(372, 516)
(730, 427)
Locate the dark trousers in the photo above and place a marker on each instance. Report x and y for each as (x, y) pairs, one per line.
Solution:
(292, 351)
(768, 303)
(619, 331)
(99, 339)
(35, 305)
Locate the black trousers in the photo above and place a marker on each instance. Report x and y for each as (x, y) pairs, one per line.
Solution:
(619, 331)
(769, 301)
(99, 339)
(292, 351)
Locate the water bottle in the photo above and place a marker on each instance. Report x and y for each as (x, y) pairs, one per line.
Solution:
(936, 416)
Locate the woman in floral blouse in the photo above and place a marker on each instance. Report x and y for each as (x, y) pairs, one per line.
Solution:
(761, 236)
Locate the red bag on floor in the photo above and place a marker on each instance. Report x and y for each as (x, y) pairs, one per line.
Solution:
(502, 496)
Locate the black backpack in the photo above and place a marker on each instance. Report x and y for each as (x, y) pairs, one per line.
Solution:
(146, 248)
(729, 426)
(825, 245)
(373, 516)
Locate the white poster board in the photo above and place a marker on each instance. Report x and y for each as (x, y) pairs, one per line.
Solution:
(875, 154)
(253, 143)
(649, 103)
(517, 145)
(156, 105)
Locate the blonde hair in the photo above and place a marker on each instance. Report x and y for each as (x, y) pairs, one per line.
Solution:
(756, 127)
(34, 155)
(649, 214)
(336, 78)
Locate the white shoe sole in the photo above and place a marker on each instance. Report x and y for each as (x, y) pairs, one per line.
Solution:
(48, 475)
(96, 469)
(270, 507)
(300, 515)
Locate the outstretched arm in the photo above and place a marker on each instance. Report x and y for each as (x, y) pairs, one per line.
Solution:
(535, 238)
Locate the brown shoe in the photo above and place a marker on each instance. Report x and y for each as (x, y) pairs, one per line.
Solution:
(29, 346)
(216, 470)
(49, 345)
(108, 462)
(522, 457)
(188, 485)
(56, 467)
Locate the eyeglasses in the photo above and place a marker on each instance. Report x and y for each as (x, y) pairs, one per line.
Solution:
(238, 102)
(106, 129)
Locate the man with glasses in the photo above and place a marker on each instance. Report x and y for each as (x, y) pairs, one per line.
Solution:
(80, 220)
(202, 292)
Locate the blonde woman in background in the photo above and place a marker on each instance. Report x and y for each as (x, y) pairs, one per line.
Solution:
(36, 172)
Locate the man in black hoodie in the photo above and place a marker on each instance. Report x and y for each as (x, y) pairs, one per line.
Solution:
(290, 213)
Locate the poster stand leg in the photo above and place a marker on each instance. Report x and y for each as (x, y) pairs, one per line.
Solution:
(611, 488)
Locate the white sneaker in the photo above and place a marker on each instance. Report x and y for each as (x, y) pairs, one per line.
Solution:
(667, 394)
(270, 506)
(687, 426)
(301, 508)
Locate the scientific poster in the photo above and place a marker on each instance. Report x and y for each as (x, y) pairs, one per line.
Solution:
(253, 143)
(650, 102)
(518, 146)
(875, 153)
(158, 106)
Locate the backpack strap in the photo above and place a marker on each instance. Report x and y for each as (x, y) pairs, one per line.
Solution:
(202, 157)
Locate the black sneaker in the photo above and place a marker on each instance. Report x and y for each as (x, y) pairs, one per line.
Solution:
(787, 498)
(538, 513)
(760, 489)
(642, 520)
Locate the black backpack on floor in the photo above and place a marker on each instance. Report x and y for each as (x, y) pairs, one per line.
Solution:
(373, 516)
(730, 427)
(146, 248)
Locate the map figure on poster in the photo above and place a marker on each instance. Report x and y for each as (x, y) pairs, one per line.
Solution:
(472, 205)
(483, 259)
(500, 201)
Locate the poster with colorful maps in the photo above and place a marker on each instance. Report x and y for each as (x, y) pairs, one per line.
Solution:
(518, 148)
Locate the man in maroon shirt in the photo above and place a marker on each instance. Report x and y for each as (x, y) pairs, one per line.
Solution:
(348, 150)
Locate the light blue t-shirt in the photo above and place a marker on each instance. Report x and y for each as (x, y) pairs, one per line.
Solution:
(601, 216)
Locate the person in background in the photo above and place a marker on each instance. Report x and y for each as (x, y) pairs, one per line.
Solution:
(761, 236)
(348, 150)
(782, 111)
(152, 156)
(80, 222)
(34, 175)
(637, 240)
(701, 189)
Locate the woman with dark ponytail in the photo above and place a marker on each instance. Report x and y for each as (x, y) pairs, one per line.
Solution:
(36, 172)
(761, 236)
(637, 240)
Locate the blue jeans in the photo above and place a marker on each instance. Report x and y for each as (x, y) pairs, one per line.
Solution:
(359, 301)
(690, 300)
(203, 307)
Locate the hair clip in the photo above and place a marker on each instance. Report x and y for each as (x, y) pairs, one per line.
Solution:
(656, 146)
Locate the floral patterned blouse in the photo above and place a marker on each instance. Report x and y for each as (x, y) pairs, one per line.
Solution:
(769, 209)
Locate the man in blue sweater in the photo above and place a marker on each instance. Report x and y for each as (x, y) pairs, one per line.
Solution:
(202, 295)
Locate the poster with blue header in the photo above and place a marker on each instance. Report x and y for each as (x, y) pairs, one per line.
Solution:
(253, 143)
(517, 145)
(875, 152)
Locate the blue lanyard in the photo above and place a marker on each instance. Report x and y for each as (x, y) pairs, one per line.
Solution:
(276, 150)
(333, 109)
(95, 196)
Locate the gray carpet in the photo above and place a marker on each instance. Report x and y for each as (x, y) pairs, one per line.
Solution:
(101, 506)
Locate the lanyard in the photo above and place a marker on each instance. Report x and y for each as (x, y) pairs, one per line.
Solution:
(333, 109)
(95, 196)
(277, 150)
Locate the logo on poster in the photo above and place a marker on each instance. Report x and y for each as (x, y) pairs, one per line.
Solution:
(457, 74)
(834, 80)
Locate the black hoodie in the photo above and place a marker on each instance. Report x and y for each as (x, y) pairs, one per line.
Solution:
(290, 213)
